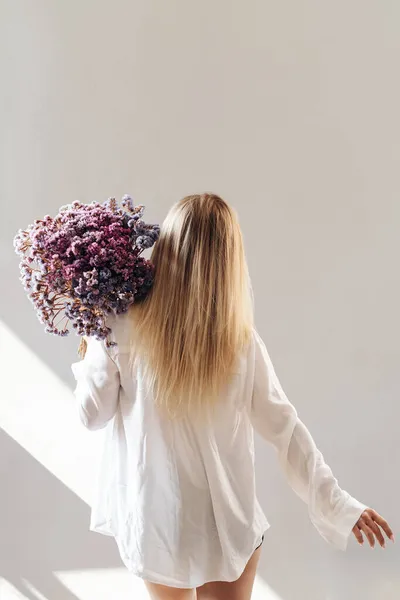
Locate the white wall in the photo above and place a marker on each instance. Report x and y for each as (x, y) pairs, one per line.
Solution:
(290, 111)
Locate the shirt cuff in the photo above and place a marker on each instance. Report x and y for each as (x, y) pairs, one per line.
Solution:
(345, 521)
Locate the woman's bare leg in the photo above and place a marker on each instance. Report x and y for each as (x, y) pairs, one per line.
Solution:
(162, 592)
(218, 590)
(236, 590)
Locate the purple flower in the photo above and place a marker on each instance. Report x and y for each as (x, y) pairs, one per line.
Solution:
(85, 263)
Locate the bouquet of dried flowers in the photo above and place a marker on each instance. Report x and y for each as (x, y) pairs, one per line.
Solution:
(85, 263)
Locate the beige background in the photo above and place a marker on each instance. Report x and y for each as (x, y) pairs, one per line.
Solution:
(290, 110)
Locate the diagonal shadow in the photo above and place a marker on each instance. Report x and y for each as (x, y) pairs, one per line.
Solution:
(44, 527)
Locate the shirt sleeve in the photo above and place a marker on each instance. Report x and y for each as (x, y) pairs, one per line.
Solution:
(98, 384)
(332, 510)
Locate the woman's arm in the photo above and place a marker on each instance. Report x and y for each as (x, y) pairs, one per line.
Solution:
(98, 384)
(333, 511)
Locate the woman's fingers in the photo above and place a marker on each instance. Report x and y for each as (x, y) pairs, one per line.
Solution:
(375, 529)
(358, 534)
(368, 532)
(382, 523)
(371, 525)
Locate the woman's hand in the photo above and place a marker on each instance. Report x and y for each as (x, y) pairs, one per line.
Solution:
(371, 525)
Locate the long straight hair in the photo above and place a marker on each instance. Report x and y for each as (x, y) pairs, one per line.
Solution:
(198, 316)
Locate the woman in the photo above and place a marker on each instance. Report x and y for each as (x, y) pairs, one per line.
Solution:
(179, 395)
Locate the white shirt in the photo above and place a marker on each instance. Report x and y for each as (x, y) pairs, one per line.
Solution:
(179, 496)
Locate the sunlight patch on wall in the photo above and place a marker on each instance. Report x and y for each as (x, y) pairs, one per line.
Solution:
(262, 591)
(38, 411)
(9, 592)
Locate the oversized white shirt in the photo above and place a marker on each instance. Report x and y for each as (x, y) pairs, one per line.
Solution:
(179, 496)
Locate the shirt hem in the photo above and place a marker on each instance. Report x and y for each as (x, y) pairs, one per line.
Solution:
(157, 578)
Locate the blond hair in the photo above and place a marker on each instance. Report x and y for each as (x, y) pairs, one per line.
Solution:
(198, 316)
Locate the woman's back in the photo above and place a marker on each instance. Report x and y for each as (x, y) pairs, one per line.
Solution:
(178, 494)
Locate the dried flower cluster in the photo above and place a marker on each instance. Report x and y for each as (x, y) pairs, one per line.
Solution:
(85, 264)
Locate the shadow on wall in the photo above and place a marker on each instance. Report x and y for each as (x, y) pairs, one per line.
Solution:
(37, 535)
